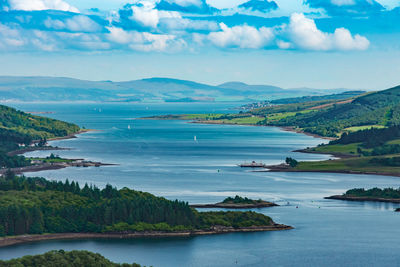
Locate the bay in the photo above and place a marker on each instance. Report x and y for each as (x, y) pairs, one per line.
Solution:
(198, 163)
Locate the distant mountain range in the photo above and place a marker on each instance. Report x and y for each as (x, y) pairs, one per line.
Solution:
(14, 88)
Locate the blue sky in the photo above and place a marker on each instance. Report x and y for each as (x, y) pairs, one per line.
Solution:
(288, 43)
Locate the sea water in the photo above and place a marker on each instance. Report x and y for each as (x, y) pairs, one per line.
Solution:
(198, 163)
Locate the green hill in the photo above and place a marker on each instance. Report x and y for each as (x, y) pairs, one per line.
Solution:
(63, 258)
(379, 108)
(17, 127)
(326, 117)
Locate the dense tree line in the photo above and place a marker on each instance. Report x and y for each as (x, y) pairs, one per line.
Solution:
(370, 137)
(63, 258)
(36, 205)
(374, 192)
(391, 161)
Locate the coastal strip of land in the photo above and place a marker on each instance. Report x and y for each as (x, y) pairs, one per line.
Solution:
(372, 199)
(15, 240)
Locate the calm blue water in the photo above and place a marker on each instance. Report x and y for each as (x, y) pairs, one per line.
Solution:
(163, 158)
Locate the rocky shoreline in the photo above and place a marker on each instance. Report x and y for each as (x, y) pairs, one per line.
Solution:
(262, 204)
(15, 240)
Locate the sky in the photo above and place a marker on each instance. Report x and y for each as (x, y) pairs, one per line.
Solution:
(287, 43)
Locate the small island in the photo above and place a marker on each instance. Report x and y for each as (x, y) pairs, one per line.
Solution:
(237, 203)
(375, 194)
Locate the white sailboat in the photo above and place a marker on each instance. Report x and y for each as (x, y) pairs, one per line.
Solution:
(195, 138)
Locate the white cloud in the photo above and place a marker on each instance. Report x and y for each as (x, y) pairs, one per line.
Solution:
(77, 23)
(304, 33)
(144, 41)
(10, 38)
(242, 36)
(185, 3)
(30, 5)
(147, 15)
(343, 2)
(344, 41)
(188, 24)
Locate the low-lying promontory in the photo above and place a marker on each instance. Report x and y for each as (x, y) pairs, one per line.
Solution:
(237, 203)
(388, 195)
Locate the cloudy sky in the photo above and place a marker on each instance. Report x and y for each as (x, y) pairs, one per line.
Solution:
(288, 43)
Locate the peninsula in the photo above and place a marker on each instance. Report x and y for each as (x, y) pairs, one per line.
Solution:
(36, 209)
(21, 132)
(364, 130)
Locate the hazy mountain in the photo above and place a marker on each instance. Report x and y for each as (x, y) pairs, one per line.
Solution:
(153, 89)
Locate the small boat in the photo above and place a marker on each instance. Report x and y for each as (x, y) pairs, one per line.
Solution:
(253, 164)
(129, 127)
(195, 138)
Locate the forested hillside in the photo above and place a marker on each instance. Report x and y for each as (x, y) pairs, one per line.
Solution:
(17, 127)
(36, 205)
(325, 117)
(63, 258)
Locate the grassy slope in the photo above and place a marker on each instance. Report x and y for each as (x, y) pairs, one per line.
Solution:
(327, 118)
(362, 165)
(17, 127)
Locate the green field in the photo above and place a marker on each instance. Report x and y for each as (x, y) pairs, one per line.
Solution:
(283, 115)
(365, 127)
(350, 149)
(362, 165)
(200, 116)
(242, 121)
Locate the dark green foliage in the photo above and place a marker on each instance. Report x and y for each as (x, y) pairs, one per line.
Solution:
(19, 128)
(235, 219)
(36, 205)
(370, 138)
(13, 161)
(35, 127)
(374, 192)
(382, 108)
(62, 258)
(381, 150)
(240, 200)
(291, 162)
(393, 161)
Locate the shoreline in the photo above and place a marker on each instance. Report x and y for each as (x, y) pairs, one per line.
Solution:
(17, 240)
(334, 154)
(364, 199)
(284, 168)
(53, 166)
(284, 128)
